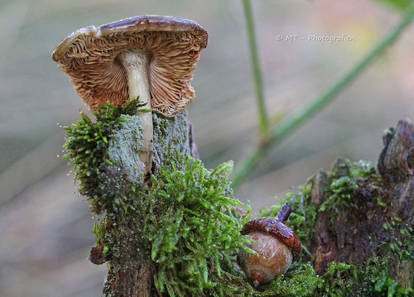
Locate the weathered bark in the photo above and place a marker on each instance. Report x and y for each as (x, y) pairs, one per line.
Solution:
(356, 232)
(131, 273)
(131, 269)
(346, 236)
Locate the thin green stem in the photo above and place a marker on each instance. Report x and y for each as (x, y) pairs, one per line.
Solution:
(263, 118)
(298, 118)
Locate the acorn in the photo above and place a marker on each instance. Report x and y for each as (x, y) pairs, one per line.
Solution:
(275, 245)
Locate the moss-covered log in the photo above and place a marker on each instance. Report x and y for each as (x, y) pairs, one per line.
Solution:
(105, 155)
(131, 270)
(177, 232)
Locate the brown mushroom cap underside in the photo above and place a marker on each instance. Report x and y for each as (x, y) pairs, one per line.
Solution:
(275, 228)
(89, 56)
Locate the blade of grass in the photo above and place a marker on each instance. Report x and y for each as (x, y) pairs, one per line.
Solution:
(292, 122)
(257, 73)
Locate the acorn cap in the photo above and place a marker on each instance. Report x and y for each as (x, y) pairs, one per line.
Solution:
(275, 228)
(89, 56)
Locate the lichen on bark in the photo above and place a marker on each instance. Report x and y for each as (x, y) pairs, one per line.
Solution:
(124, 147)
(171, 138)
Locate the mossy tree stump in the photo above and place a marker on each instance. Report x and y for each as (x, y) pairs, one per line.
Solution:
(105, 155)
(131, 270)
(357, 229)
(356, 221)
(177, 232)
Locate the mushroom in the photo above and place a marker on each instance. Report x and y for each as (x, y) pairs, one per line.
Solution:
(150, 57)
(275, 245)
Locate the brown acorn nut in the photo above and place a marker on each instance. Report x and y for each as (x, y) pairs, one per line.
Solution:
(275, 245)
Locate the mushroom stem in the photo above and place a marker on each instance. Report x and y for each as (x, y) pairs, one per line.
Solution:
(136, 64)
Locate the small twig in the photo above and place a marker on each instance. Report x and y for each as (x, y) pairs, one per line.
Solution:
(263, 118)
(284, 212)
(297, 119)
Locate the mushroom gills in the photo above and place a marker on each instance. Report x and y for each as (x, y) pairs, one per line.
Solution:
(136, 64)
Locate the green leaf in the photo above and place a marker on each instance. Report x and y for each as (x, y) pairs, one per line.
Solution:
(399, 4)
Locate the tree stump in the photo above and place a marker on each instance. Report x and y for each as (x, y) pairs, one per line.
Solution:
(131, 269)
(359, 230)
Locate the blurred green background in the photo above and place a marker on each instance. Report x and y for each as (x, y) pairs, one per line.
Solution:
(45, 225)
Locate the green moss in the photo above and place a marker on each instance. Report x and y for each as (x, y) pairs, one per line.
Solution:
(399, 240)
(86, 147)
(192, 226)
(300, 280)
(368, 279)
(342, 191)
(99, 230)
(344, 182)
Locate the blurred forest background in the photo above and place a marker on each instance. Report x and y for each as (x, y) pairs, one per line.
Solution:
(45, 225)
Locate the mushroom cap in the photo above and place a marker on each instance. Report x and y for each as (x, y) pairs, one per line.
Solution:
(275, 228)
(89, 57)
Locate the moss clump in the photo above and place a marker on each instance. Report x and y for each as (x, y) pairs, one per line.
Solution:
(368, 279)
(99, 231)
(300, 280)
(86, 147)
(399, 240)
(344, 182)
(193, 229)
